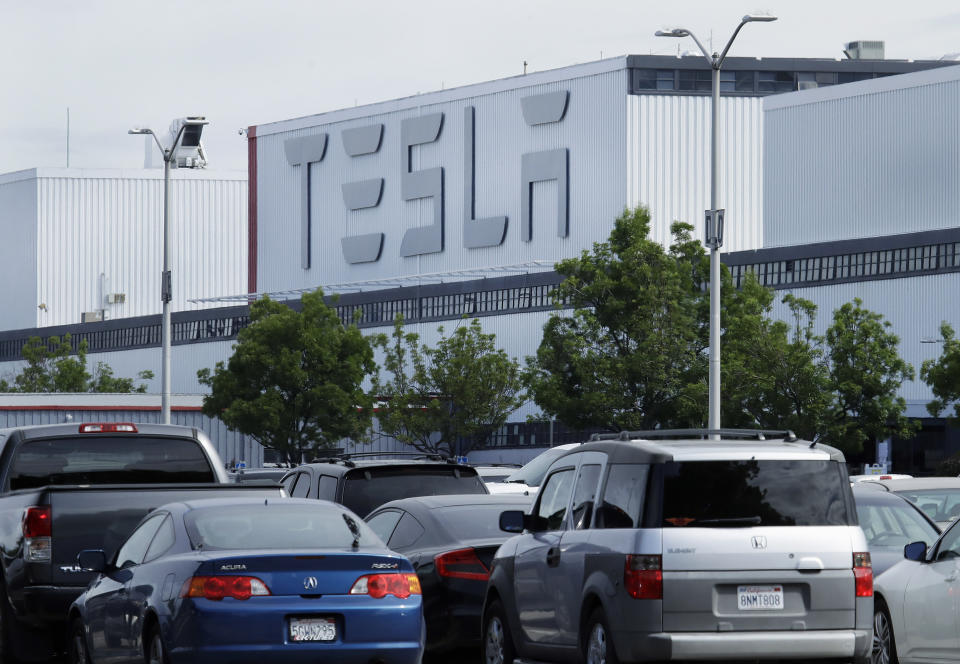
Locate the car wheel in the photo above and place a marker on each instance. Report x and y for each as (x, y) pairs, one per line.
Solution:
(156, 652)
(497, 642)
(597, 646)
(77, 647)
(884, 645)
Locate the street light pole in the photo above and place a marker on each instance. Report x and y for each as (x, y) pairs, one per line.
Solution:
(166, 279)
(714, 216)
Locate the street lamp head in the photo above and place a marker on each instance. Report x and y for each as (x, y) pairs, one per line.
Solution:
(675, 32)
(195, 121)
(138, 130)
(762, 18)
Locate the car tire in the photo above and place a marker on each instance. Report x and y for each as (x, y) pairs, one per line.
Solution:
(77, 652)
(884, 649)
(597, 644)
(156, 651)
(497, 647)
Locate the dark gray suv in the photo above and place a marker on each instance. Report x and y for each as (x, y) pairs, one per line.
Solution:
(671, 546)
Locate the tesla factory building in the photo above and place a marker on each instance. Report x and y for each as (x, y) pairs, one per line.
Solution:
(459, 202)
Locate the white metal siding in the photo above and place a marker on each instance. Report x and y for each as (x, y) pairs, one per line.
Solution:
(914, 307)
(873, 158)
(593, 130)
(100, 232)
(19, 300)
(668, 164)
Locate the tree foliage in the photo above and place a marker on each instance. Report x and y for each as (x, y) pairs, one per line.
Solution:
(866, 372)
(448, 398)
(943, 376)
(52, 366)
(294, 381)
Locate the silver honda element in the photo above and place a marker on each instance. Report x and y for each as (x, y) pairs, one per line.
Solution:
(684, 545)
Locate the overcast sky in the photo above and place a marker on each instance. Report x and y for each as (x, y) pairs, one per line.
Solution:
(123, 63)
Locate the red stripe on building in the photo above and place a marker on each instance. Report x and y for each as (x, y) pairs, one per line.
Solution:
(252, 209)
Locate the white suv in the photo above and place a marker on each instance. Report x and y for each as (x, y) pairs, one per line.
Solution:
(667, 545)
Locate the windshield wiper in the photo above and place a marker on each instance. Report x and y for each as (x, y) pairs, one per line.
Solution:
(729, 521)
(354, 528)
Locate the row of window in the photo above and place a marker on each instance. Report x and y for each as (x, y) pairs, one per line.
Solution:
(747, 82)
(859, 265)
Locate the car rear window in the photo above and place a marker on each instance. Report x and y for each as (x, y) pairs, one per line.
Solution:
(365, 489)
(109, 460)
(748, 493)
(276, 526)
(468, 522)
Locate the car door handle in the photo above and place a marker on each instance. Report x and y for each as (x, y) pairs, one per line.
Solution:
(553, 556)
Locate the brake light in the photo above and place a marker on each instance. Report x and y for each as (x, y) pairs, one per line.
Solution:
(863, 574)
(37, 528)
(380, 585)
(461, 564)
(108, 427)
(643, 577)
(218, 587)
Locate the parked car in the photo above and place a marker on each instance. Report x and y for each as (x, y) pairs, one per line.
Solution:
(916, 607)
(69, 487)
(261, 476)
(450, 540)
(363, 482)
(937, 497)
(872, 478)
(530, 475)
(497, 472)
(889, 522)
(247, 580)
(664, 545)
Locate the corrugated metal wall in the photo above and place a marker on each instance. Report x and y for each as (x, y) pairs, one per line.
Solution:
(593, 130)
(18, 251)
(915, 307)
(668, 164)
(871, 158)
(101, 232)
(230, 445)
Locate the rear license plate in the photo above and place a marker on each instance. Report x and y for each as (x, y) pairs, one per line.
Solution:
(312, 629)
(760, 598)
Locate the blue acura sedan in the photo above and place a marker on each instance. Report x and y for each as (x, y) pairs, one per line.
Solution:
(249, 580)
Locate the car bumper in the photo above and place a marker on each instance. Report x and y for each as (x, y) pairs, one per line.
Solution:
(42, 606)
(780, 645)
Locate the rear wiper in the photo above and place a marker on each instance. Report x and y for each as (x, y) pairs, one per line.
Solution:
(730, 521)
(354, 528)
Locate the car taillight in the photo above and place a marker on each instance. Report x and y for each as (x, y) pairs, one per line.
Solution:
(863, 574)
(380, 585)
(218, 587)
(108, 427)
(643, 577)
(461, 564)
(37, 529)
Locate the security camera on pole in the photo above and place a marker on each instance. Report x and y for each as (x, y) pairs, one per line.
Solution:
(185, 151)
(714, 216)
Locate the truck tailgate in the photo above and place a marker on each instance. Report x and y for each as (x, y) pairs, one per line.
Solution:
(102, 516)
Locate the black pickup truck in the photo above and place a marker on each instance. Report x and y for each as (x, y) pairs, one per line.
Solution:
(69, 487)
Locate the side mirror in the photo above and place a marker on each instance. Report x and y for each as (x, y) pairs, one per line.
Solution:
(915, 551)
(511, 521)
(92, 560)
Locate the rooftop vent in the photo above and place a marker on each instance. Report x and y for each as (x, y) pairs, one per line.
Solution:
(864, 50)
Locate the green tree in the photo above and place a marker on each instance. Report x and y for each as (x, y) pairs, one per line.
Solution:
(866, 373)
(631, 353)
(449, 398)
(943, 376)
(52, 366)
(294, 381)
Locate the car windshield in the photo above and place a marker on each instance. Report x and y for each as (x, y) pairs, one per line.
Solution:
(894, 525)
(276, 525)
(109, 460)
(939, 504)
(533, 472)
(736, 494)
(469, 522)
(365, 489)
